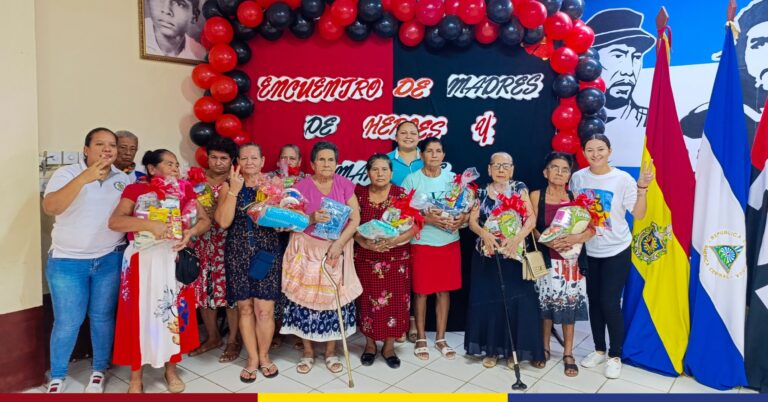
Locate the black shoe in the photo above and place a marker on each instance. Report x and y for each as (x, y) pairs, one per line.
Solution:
(367, 358)
(392, 361)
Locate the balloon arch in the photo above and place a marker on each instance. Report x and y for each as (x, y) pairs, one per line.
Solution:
(548, 29)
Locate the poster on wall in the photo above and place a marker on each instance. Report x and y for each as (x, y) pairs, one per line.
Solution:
(171, 30)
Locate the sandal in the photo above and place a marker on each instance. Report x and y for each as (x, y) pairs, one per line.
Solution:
(412, 333)
(205, 348)
(231, 352)
(305, 365)
(175, 385)
(269, 373)
(447, 351)
(251, 375)
(571, 368)
(490, 361)
(420, 351)
(333, 361)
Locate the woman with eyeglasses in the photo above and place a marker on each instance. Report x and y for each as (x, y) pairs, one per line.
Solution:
(563, 292)
(486, 330)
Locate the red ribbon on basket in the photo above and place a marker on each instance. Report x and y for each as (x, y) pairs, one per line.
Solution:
(588, 203)
(162, 187)
(513, 203)
(406, 210)
(196, 175)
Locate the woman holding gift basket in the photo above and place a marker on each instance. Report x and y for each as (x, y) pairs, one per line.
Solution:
(253, 261)
(613, 192)
(563, 291)
(436, 256)
(334, 213)
(383, 263)
(502, 220)
(156, 314)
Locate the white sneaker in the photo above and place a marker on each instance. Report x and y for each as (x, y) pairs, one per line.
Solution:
(613, 367)
(96, 383)
(56, 386)
(593, 359)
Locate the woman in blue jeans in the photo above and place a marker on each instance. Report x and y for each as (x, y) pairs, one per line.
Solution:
(83, 268)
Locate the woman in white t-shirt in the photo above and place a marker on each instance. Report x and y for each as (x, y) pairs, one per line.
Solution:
(608, 253)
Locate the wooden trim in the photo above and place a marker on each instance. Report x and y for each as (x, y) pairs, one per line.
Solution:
(22, 351)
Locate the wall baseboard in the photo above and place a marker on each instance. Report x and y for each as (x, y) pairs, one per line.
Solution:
(22, 350)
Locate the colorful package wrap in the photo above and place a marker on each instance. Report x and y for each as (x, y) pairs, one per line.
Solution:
(506, 220)
(276, 207)
(568, 220)
(463, 192)
(377, 230)
(196, 177)
(339, 214)
(162, 204)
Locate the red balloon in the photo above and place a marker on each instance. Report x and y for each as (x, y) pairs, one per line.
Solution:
(218, 30)
(568, 101)
(222, 58)
(411, 33)
(207, 109)
(386, 5)
(203, 75)
(472, 11)
(579, 23)
(566, 142)
(430, 12)
(599, 83)
(564, 60)
(293, 4)
(531, 14)
(558, 25)
(581, 159)
(250, 14)
(580, 38)
(205, 42)
(224, 89)
(201, 156)
(229, 125)
(343, 12)
(241, 138)
(486, 31)
(452, 7)
(328, 29)
(565, 117)
(404, 10)
(266, 3)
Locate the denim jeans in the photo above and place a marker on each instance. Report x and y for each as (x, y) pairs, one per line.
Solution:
(80, 286)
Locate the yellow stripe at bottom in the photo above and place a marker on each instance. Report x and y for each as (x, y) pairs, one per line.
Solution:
(354, 397)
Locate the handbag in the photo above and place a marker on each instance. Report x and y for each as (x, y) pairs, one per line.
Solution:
(261, 262)
(187, 266)
(534, 266)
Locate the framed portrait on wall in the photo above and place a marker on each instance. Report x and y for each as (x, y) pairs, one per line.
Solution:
(170, 30)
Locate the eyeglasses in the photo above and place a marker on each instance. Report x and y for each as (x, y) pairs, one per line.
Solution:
(559, 169)
(501, 166)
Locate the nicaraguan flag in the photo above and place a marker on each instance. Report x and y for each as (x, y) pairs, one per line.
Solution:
(715, 355)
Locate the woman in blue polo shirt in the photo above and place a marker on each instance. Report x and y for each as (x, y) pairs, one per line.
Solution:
(406, 158)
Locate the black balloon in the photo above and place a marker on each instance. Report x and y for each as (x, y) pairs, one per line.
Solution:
(242, 80)
(592, 53)
(242, 32)
(450, 27)
(241, 106)
(200, 133)
(590, 125)
(369, 10)
(588, 69)
(534, 36)
(386, 27)
(312, 8)
(512, 32)
(302, 27)
(211, 9)
(358, 31)
(269, 32)
(602, 114)
(465, 38)
(574, 8)
(565, 86)
(552, 6)
(207, 92)
(279, 15)
(243, 51)
(229, 7)
(499, 11)
(590, 100)
(433, 39)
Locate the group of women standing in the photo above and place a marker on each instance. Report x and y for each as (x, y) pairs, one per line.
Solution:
(156, 320)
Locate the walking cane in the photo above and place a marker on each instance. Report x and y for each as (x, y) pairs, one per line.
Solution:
(519, 385)
(341, 319)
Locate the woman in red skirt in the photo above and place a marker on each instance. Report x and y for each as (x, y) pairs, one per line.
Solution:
(383, 266)
(436, 256)
(155, 314)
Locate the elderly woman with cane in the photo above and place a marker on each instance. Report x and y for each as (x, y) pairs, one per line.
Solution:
(503, 315)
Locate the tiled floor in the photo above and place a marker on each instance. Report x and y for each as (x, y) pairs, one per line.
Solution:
(205, 374)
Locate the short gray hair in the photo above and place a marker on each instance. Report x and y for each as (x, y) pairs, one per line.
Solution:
(126, 134)
(505, 154)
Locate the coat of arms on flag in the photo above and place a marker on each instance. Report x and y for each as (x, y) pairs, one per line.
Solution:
(651, 243)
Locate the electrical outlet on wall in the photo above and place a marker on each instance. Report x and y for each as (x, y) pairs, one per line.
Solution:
(54, 157)
(71, 157)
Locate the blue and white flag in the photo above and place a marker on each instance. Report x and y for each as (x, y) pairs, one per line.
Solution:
(715, 355)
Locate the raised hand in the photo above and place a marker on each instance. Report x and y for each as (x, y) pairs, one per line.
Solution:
(97, 171)
(236, 180)
(646, 174)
